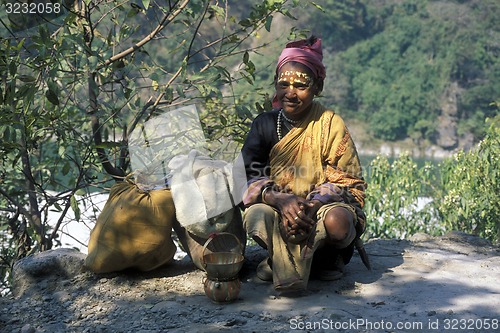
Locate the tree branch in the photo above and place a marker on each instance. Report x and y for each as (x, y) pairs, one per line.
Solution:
(164, 22)
(116, 173)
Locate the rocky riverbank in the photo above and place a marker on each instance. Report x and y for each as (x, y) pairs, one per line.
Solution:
(422, 284)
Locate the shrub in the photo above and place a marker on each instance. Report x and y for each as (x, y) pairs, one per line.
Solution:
(398, 197)
(470, 183)
(460, 193)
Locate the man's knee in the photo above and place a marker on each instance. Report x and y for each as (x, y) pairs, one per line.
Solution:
(339, 225)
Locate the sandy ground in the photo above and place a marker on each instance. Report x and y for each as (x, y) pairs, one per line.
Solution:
(429, 284)
(426, 284)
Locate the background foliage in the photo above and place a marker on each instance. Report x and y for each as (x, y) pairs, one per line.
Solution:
(398, 197)
(468, 196)
(458, 193)
(72, 90)
(397, 66)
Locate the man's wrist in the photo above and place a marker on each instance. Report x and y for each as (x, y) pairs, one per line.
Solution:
(268, 188)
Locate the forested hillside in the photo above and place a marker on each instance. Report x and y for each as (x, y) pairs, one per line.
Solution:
(425, 70)
(421, 70)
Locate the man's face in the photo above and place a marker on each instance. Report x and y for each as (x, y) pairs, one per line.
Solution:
(295, 90)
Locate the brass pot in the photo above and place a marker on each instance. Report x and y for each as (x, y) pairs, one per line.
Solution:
(222, 291)
(222, 265)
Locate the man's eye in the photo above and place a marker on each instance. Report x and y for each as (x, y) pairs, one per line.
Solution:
(296, 85)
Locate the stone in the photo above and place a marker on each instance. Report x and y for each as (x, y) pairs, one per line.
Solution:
(58, 264)
(164, 306)
(28, 329)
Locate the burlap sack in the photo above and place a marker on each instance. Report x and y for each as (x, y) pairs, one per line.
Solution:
(133, 231)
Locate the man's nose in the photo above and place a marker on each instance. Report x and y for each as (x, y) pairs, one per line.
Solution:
(291, 89)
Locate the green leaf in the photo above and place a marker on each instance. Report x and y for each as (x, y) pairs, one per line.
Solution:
(57, 207)
(155, 85)
(93, 62)
(75, 207)
(65, 169)
(317, 6)
(27, 78)
(169, 94)
(243, 112)
(15, 160)
(20, 45)
(180, 91)
(61, 151)
(248, 78)
(259, 107)
(6, 134)
(145, 3)
(216, 10)
(223, 120)
(269, 20)
(131, 13)
(109, 145)
(245, 23)
(127, 92)
(44, 35)
(12, 68)
(80, 192)
(52, 97)
(24, 90)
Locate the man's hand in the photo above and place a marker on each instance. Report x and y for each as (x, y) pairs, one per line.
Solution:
(298, 215)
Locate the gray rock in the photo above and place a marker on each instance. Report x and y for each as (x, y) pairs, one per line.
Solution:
(27, 329)
(463, 237)
(164, 306)
(59, 264)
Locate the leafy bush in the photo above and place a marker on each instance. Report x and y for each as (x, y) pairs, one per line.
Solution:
(397, 198)
(460, 193)
(470, 187)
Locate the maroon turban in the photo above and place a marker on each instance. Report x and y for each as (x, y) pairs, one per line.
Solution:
(310, 56)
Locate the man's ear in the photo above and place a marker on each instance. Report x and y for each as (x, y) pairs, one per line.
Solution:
(318, 87)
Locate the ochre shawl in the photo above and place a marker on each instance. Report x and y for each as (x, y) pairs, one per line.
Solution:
(319, 150)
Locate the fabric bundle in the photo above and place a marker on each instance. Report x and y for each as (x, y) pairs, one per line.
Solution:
(203, 192)
(133, 230)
